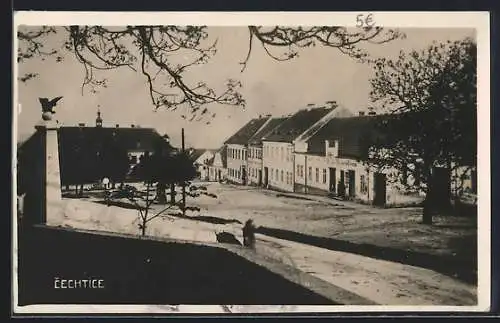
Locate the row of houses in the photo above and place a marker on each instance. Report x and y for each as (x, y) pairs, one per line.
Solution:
(317, 150)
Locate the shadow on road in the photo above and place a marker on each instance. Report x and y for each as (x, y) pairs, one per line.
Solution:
(206, 218)
(462, 267)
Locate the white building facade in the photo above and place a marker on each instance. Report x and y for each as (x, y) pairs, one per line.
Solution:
(347, 178)
(255, 165)
(217, 170)
(278, 164)
(237, 163)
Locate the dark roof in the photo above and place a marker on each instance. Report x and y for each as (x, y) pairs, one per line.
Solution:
(142, 139)
(353, 134)
(265, 130)
(78, 147)
(242, 136)
(297, 124)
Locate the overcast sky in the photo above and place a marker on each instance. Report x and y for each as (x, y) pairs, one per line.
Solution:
(317, 75)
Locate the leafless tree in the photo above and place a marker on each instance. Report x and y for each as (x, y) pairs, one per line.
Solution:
(163, 54)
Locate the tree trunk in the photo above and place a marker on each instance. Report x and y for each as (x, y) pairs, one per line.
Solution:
(143, 228)
(427, 212)
(172, 193)
(160, 193)
(428, 203)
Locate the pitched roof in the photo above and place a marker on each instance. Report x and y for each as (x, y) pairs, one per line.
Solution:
(352, 134)
(296, 124)
(242, 136)
(223, 153)
(143, 139)
(194, 153)
(77, 143)
(265, 130)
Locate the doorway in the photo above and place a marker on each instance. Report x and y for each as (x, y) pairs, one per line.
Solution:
(341, 186)
(351, 175)
(266, 176)
(333, 179)
(243, 175)
(379, 186)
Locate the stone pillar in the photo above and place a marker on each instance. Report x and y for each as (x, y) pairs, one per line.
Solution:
(51, 191)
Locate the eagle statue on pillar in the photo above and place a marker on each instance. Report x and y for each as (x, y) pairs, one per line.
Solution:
(48, 107)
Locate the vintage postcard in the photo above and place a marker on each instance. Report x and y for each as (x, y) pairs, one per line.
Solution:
(196, 162)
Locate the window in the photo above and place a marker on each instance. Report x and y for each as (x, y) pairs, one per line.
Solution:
(317, 175)
(277, 175)
(298, 170)
(244, 154)
(310, 172)
(282, 175)
(272, 174)
(363, 186)
(324, 175)
(282, 155)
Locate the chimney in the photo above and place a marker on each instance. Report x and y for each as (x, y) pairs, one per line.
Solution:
(361, 113)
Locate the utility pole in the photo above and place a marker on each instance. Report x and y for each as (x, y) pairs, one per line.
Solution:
(183, 181)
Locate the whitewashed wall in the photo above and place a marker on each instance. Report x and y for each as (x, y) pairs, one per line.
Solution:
(236, 162)
(278, 158)
(254, 163)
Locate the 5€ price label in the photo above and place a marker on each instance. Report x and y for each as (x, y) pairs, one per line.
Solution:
(365, 20)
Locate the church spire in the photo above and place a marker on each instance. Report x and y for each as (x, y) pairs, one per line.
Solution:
(98, 120)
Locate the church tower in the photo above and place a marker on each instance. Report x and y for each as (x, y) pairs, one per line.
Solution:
(98, 120)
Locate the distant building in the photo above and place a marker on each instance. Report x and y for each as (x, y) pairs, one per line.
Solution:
(255, 158)
(278, 146)
(237, 150)
(201, 158)
(217, 166)
(82, 150)
(330, 161)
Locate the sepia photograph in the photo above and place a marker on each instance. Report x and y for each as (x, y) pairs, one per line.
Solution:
(237, 162)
